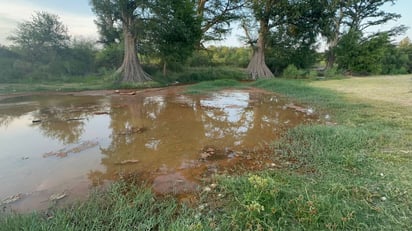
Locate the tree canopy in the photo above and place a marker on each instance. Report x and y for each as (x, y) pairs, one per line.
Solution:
(42, 35)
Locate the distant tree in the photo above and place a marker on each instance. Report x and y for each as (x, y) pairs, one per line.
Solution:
(80, 58)
(130, 15)
(41, 38)
(7, 60)
(405, 51)
(355, 17)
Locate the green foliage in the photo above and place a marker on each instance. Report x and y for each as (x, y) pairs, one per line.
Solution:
(43, 52)
(110, 57)
(362, 56)
(106, 21)
(292, 72)
(8, 63)
(221, 56)
(230, 56)
(215, 17)
(176, 30)
(42, 38)
(332, 72)
(298, 24)
(193, 75)
(356, 17)
(375, 55)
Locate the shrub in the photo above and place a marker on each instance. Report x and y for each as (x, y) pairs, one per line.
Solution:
(292, 72)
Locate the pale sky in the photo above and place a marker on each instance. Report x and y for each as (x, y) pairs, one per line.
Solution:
(78, 17)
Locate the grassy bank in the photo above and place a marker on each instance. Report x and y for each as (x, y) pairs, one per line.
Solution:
(355, 175)
(352, 175)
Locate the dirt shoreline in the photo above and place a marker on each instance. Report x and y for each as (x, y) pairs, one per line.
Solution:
(96, 92)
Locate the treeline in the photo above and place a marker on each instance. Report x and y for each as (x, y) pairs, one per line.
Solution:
(165, 40)
(81, 58)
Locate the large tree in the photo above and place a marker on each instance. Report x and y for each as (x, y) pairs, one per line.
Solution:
(174, 30)
(261, 11)
(355, 16)
(281, 23)
(130, 15)
(216, 17)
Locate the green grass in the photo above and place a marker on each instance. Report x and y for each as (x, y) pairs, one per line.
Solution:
(341, 177)
(355, 175)
(211, 86)
(122, 207)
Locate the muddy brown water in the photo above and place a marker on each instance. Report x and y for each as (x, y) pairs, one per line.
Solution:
(64, 145)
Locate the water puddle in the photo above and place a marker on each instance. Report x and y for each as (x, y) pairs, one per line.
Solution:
(55, 148)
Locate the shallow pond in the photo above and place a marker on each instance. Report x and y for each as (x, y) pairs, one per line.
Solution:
(62, 145)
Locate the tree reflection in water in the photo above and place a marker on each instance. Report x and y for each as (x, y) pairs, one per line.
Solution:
(172, 129)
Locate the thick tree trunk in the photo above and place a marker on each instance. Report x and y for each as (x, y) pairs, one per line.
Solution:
(334, 40)
(131, 70)
(257, 67)
(330, 58)
(164, 69)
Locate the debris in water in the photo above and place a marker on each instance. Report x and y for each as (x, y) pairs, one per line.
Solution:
(308, 111)
(133, 130)
(57, 196)
(128, 93)
(36, 121)
(74, 119)
(83, 146)
(101, 113)
(128, 162)
(65, 152)
(25, 158)
(12, 199)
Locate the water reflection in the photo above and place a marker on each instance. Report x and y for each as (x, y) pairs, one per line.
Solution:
(100, 138)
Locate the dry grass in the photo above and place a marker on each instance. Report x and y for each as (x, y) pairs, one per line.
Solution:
(387, 89)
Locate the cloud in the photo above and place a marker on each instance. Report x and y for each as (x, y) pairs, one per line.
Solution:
(12, 13)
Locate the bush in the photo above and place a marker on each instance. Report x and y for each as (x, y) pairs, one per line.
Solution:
(193, 75)
(292, 72)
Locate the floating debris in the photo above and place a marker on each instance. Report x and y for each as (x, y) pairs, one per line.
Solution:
(133, 130)
(36, 121)
(308, 111)
(101, 113)
(128, 162)
(74, 119)
(83, 146)
(65, 152)
(25, 158)
(128, 93)
(12, 199)
(57, 196)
